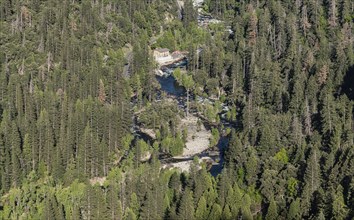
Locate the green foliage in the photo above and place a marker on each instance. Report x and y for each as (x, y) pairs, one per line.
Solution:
(215, 212)
(172, 145)
(294, 210)
(129, 215)
(73, 74)
(282, 156)
(158, 115)
(215, 137)
(272, 212)
(201, 212)
(186, 207)
(292, 186)
(167, 41)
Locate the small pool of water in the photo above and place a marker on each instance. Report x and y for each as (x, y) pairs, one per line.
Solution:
(222, 145)
(170, 86)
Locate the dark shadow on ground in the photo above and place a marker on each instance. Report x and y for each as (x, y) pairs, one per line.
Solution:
(348, 83)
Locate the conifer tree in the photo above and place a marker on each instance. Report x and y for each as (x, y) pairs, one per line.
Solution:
(15, 155)
(186, 206)
(312, 178)
(339, 208)
(129, 215)
(272, 212)
(202, 211)
(294, 210)
(215, 212)
(149, 208)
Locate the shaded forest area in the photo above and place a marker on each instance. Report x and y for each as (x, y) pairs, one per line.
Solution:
(348, 86)
(285, 72)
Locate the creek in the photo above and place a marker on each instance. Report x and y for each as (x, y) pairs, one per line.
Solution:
(169, 85)
(173, 90)
(214, 156)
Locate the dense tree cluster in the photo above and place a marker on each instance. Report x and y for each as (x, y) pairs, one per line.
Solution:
(72, 73)
(65, 101)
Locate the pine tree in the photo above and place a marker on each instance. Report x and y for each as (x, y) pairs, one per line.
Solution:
(312, 173)
(149, 208)
(101, 92)
(134, 204)
(15, 155)
(294, 210)
(52, 209)
(226, 214)
(186, 206)
(252, 26)
(129, 215)
(188, 13)
(58, 166)
(202, 211)
(45, 138)
(215, 212)
(175, 184)
(2, 162)
(339, 208)
(320, 216)
(95, 206)
(237, 201)
(114, 205)
(251, 167)
(27, 154)
(272, 212)
(187, 82)
(223, 186)
(48, 210)
(312, 179)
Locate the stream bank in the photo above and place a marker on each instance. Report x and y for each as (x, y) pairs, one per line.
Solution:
(198, 130)
(198, 140)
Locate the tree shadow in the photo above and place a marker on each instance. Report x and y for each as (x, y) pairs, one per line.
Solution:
(348, 83)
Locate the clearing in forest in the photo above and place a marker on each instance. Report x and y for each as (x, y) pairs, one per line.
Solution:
(197, 140)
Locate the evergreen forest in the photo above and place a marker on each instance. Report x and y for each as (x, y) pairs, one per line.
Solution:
(87, 130)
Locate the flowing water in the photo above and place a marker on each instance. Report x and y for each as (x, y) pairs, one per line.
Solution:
(169, 85)
(222, 145)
